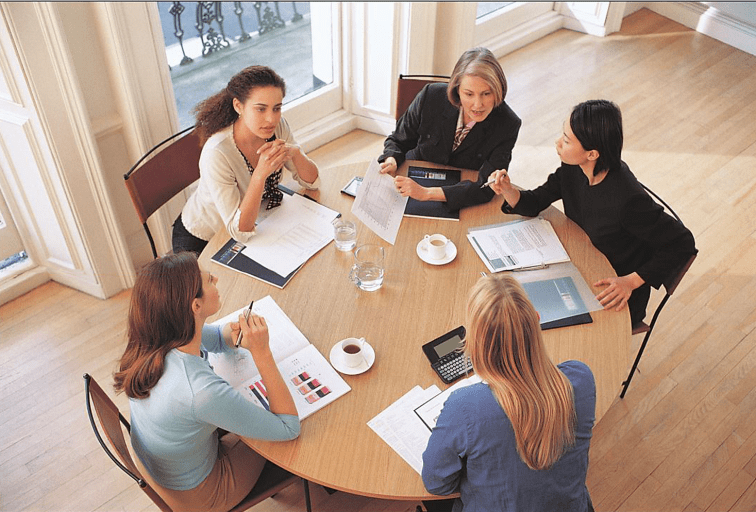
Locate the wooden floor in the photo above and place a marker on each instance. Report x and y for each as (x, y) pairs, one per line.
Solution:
(683, 439)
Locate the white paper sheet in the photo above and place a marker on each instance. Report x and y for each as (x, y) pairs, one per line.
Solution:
(430, 410)
(291, 234)
(378, 205)
(401, 428)
(518, 245)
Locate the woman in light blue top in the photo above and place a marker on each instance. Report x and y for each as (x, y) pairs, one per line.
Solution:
(178, 403)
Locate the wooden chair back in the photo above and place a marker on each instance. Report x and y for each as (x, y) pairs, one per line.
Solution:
(409, 85)
(112, 421)
(161, 173)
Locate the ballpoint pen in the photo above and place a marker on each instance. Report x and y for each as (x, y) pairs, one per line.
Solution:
(490, 181)
(247, 312)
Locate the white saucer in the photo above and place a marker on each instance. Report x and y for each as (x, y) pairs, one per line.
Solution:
(338, 362)
(451, 253)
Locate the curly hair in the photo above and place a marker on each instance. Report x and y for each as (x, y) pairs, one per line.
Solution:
(217, 112)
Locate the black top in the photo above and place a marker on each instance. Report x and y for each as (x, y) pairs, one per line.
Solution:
(426, 132)
(621, 219)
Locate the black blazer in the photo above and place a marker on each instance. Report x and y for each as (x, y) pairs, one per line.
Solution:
(426, 132)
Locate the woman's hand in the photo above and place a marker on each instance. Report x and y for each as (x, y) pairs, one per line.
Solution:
(408, 187)
(501, 182)
(618, 290)
(388, 166)
(254, 333)
(272, 157)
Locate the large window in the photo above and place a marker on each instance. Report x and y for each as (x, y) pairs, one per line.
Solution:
(208, 42)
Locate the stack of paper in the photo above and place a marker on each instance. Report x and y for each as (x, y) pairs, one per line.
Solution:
(518, 245)
(406, 424)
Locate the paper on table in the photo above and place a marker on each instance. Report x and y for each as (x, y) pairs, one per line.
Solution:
(402, 430)
(291, 235)
(517, 245)
(378, 205)
(430, 410)
(285, 339)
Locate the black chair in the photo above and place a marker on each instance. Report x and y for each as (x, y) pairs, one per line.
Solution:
(272, 480)
(409, 85)
(669, 287)
(161, 173)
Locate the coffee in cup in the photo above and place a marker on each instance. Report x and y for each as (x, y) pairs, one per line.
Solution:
(435, 245)
(352, 351)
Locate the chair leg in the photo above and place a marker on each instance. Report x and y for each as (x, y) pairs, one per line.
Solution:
(308, 505)
(626, 383)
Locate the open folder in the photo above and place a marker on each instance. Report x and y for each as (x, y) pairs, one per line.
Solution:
(284, 240)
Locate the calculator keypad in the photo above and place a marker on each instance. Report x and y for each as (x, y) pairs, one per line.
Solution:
(452, 366)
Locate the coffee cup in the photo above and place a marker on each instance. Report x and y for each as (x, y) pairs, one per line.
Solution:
(352, 351)
(435, 245)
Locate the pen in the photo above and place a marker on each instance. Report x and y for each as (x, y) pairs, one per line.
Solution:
(490, 181)
(247, 312)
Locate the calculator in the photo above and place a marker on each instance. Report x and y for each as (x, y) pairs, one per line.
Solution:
(446, 356)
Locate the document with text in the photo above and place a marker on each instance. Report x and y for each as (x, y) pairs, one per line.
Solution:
(291, 234)
(518, 245)
(378, 205)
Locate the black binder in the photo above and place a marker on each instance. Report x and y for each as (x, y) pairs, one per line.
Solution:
(230, 256)
(429, 177)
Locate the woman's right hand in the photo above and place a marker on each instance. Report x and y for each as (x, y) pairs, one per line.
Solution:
(388, 166)
(501, 182)
(254, 333)
(273, 155)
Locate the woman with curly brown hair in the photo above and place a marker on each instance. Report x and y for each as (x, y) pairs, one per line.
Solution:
(246, 143)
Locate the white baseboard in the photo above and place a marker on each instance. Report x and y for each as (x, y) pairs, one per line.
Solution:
(22, 283)
(709, 21)
(325, 130)
(524, 34)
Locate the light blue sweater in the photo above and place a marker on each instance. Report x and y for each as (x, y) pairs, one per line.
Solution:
(174, 430)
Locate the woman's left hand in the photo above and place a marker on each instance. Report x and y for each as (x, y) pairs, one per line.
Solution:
(618, 290)
(408, 187)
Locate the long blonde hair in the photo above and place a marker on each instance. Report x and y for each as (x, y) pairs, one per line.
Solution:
(506, 348)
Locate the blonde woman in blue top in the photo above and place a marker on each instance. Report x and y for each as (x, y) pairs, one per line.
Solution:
(178, 403)
(518, 442)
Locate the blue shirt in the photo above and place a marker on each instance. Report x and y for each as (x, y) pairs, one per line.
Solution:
(174, 430)
(472, 451)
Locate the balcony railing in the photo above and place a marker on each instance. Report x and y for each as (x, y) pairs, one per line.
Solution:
(207, 21)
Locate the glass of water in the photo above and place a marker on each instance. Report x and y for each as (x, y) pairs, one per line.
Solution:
(344, 234)
(367, 271)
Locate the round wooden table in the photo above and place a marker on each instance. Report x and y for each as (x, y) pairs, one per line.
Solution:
(418, 302)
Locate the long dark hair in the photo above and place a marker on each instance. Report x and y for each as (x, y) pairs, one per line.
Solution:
(597, 124)
(160, 319)
(217, 111)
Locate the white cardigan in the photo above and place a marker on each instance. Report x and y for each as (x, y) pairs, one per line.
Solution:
(224, 179)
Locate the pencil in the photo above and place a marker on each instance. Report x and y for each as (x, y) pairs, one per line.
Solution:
(247, 312)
